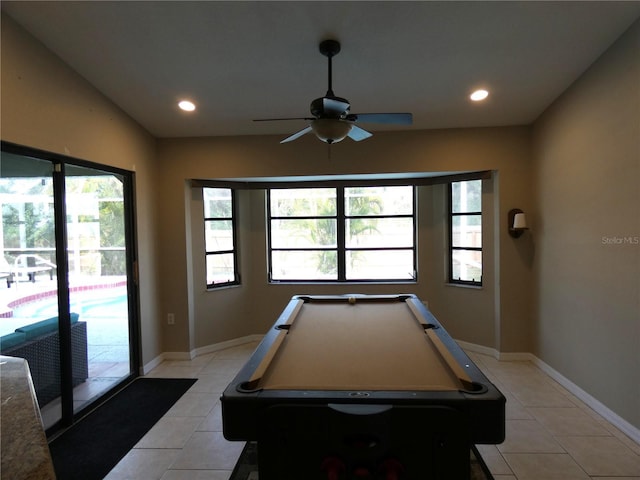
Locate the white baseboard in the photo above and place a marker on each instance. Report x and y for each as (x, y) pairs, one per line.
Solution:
(616, 420)
(228, 344)
(186, 356)
(146, 368)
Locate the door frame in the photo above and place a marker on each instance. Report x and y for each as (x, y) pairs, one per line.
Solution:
(58, 163)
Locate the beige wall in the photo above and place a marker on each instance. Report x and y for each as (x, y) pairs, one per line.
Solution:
(46, 105)
(587, 234)
(492, 316)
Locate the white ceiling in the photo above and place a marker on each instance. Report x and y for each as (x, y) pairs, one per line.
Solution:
(244, 60)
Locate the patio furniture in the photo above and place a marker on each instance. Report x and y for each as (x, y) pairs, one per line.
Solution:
(26, 266)
(39, 344)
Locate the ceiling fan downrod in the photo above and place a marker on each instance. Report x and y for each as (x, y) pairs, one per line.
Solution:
(329, 48)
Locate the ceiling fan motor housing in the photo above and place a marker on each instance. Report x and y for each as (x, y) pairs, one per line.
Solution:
(319, 107)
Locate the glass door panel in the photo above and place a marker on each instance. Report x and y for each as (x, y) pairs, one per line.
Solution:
(98, 283)
(28, 275)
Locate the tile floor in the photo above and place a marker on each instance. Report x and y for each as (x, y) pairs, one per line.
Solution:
(550, 433)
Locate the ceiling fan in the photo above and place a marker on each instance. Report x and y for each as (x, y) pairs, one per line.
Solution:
(332, 120)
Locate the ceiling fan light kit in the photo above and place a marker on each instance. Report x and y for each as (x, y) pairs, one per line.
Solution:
(329, 130)
(332, 121)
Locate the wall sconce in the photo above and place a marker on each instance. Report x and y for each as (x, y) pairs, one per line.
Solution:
(517, 222)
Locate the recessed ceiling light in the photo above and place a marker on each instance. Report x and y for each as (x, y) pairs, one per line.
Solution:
(187, 106)
(479, 95)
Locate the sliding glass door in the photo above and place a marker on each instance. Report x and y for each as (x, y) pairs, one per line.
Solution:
(68, 299)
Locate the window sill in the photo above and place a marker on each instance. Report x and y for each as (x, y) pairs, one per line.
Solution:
(464, 285)
(223, 287)
(337, 284)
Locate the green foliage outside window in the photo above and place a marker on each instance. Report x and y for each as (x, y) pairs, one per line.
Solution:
(97, 207)
(311, 229)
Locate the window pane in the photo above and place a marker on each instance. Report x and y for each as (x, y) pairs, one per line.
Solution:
(466, 196)
(467, 231)
(217, 202)
(466, 265)
(304, 222)
(304, 265)
(378, 200)
(303, 233)
(303, 202)
(220, 268)
(379, 265)
(379, 232)
(218, 235)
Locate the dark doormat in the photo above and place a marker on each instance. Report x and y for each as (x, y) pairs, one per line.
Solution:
(247, 466)
(91, 448)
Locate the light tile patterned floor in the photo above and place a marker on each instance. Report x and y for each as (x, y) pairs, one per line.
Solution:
(550, 433)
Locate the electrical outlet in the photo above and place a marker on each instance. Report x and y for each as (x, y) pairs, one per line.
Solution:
(171, 319)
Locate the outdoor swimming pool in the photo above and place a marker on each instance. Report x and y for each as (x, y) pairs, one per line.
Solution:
(104, 305)
(111, 302)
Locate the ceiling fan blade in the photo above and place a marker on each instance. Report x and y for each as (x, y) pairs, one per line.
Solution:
(278, 119)
(392, 118)
(356, 133)
(296, 135)
(334, 107)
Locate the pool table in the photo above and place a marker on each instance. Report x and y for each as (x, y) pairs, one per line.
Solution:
(361, 386)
